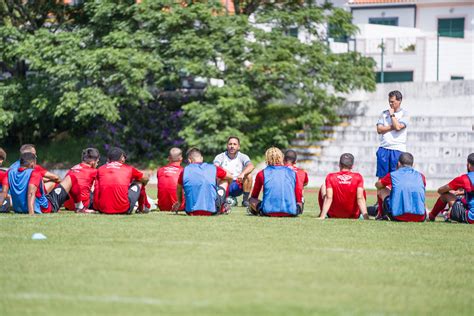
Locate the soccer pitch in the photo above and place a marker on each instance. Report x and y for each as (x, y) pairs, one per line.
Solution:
(168, 264)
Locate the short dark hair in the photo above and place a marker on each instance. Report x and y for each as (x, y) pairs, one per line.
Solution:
(233, 137)
(90, 154)
(115, 153)
(346, 160)
(26, 148)
(193, 152)
(290, 156)
(470, 159)
(406, 159)
(395, 93)
(3, 154)
(27, 158)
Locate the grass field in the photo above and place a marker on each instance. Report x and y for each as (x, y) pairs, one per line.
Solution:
(233, 265)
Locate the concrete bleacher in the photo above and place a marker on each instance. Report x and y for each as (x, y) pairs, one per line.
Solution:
(440, 134)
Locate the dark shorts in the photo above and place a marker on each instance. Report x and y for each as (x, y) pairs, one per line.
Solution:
(133, 196)
(386, 210)
(459, 212)
(5, 208)
(235, 189)
(261, 212)
(387, 160)
(57, 197)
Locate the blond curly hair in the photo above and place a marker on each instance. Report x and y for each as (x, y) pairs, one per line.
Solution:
(273, 156)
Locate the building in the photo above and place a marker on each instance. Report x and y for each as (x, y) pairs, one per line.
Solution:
(415, 40)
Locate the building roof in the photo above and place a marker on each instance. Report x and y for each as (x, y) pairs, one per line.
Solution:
(376, 2)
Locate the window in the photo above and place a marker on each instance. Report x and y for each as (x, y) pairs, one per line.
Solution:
(337, 34)
(394, 76)
(293, 31)
(457, 78)
(451, 27)
(384, 21)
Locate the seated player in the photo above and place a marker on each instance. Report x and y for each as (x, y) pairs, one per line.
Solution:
(343, 195)
(462, 209)
(282, 194)
(5, 206)
(405, 201)
(240, 166)
(289, 160)
(118, 186)
(168, 181)
(86, 173)
(49, 179)
(198, 180)
(27, 190)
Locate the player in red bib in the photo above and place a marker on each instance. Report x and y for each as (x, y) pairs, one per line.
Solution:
(118, 186)
(289, 160)
(457, 195)
(168, 180)
(343, 195)
(86, 173)
(5, 206)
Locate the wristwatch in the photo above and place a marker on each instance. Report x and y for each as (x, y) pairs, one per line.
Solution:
(392, 115)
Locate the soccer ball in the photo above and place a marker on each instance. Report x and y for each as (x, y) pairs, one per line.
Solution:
(232, 201)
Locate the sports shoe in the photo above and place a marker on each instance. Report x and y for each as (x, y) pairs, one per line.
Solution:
(245, 203)
(446, 217)
(227, 208)
(85, 210)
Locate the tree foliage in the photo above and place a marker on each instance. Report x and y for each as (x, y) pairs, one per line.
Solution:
(150, 75)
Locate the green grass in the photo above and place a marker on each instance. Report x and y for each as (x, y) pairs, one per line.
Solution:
(164, 264)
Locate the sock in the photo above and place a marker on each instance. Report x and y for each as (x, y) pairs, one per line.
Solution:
(437, 208)
(143, 199)
(379, 206)
(246, 196)
(79, 205)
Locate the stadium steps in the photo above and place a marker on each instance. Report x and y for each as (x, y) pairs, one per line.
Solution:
(440, 146)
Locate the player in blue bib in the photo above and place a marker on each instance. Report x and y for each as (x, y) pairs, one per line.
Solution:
(203, 196)
(403, 192)
(282, 193)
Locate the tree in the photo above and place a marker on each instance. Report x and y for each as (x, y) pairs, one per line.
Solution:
(150, 75)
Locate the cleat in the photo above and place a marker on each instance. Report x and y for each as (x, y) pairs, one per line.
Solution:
(245, 203)
(85, 210)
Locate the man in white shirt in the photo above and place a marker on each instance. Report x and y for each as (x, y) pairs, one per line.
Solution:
(240, 166)
(392, 128)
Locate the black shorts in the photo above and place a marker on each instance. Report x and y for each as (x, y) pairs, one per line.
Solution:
(459, 212)
(133, 195)
(5, 208)
(57, 197)
(261, 212)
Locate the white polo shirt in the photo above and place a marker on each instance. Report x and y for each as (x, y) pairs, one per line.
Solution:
(394, 140)
(234, 166)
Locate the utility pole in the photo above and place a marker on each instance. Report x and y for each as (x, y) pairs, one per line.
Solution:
(437, 57)
(382, 48)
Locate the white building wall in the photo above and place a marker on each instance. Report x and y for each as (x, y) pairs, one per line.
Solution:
(428, 15)
(406, 16)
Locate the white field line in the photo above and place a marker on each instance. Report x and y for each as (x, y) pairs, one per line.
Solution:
(376, 251)
(101, 299)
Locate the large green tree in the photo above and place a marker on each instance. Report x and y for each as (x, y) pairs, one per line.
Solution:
(129, 73)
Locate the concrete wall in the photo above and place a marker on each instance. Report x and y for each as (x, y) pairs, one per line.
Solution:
(440, 135)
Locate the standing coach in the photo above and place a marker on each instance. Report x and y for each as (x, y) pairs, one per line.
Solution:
(392, 128)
